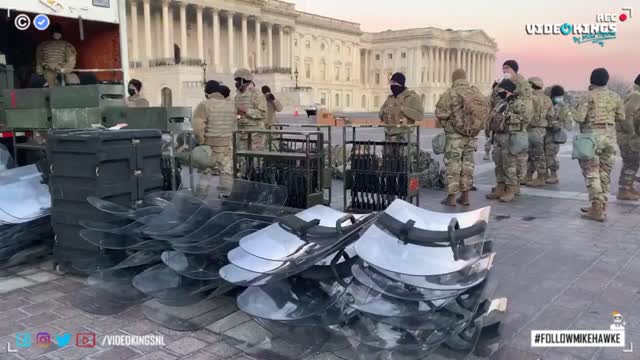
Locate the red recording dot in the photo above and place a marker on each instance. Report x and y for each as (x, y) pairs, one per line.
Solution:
(622, 17)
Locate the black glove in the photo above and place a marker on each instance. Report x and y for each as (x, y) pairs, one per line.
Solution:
(270, 97)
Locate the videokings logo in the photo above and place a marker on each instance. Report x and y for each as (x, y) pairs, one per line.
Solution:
(605, 28)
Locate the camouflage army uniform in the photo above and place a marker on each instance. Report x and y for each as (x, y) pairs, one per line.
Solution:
(629, 140)
(524, 91)
(559, 117)
(514, 112)
(537, 131)
(256, 111)
(214, 123)
(598, 116)
(405, 109)
(53, 56)
(460, 149)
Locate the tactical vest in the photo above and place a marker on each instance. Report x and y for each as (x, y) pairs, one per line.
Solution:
(602, 107)
(249, 100)
(392, 113)
(221, 121)
(540, 110)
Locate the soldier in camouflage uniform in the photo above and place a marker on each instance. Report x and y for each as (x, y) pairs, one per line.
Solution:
(52, 56)
(487, 143)
(537, 131)
(508, 119)
(135, 99)
(598, 116)
(214, 121)
(402, 107)
(629, 142)
(251, 107)
(524, 92)
(559, 117)
(460, 149)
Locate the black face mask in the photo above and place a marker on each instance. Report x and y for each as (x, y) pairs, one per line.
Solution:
(397, 89)
(502, 94)
(131, 92)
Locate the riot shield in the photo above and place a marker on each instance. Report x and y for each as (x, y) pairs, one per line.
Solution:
(23, 198)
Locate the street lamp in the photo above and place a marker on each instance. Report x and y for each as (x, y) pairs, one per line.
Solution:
(204, 73)
(296, 75)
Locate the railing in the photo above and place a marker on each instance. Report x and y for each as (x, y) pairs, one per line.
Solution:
(190, 62)
(272, 70)
(135, 64)
(289, 89)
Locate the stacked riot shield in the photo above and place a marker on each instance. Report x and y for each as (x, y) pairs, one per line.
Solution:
(378, 172)
(175, 246)
(294, 159)
(294, 271)
(407, 283)
(25, 232)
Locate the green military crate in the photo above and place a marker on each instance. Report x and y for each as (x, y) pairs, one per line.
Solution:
(38, 118)
(75, 118)
(26, 98)
(168, 119)
(87, 96)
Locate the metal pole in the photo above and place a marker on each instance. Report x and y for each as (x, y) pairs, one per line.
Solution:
(344, 167)
(124, 43)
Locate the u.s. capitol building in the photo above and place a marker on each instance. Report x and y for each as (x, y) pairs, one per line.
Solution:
(173, 44)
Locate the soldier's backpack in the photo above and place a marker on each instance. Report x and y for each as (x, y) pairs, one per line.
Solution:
(474, 114)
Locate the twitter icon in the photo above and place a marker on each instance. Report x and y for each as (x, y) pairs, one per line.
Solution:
(23, 340)
(63, 340)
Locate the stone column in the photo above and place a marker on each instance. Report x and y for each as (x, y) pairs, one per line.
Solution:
(447, 75)
(184, 45)
(281, 33)
(258, 43)
(432, 61)
(476, 73)
(134, 30)
(290, 58)
(440, 66)
(165, 29)
(200, 32)
(365, 74)
(232, 63)
(245, 42)
(270, 43)
(147, 30)
(215, 14)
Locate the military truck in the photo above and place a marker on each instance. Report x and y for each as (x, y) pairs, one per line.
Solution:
(28, 110)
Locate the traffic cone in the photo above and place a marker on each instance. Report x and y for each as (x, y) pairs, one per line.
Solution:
(295, 112)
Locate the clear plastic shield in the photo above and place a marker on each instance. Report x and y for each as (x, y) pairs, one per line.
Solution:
(122, 211)
(23, 198)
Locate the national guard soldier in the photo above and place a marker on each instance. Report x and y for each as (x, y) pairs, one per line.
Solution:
(524, 92)
(595, 146)
(629, 142)
(273, 106)
(54, 56)
(135, 99)
(537, 131)
(402, 107)
(559, 117)
(462, 111)
(508, 125)
(214, 121)
(487, 143)
(251, 106)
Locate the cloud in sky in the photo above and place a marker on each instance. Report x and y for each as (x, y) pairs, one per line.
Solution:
(554, 58)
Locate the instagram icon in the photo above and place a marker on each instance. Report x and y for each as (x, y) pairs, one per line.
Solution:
(43, 340)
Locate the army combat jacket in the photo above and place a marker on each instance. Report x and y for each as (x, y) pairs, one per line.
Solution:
(251, 107)
(601, 110)
(405, 109)
(450, 103)
(542, 106)
(632, 110)
(560, 117)
(509, 115)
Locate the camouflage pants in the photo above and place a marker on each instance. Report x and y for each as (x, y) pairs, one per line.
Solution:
(630, 160)
(551, 150)
(52, 78)
(537, 160)
(506, 163)
(458, 159)
(597, 171)
(257, 142)
(220, 164)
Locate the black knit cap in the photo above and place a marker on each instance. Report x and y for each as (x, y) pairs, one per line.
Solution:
(512, 64)
(55, 28)
(211, 87)
(599, 77)
(637, 82)
(556, 91)
(508, 85)
(399, 78)
(266, 89)
(225, 91)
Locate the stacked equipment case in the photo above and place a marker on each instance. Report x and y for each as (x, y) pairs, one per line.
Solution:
(120, 166)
